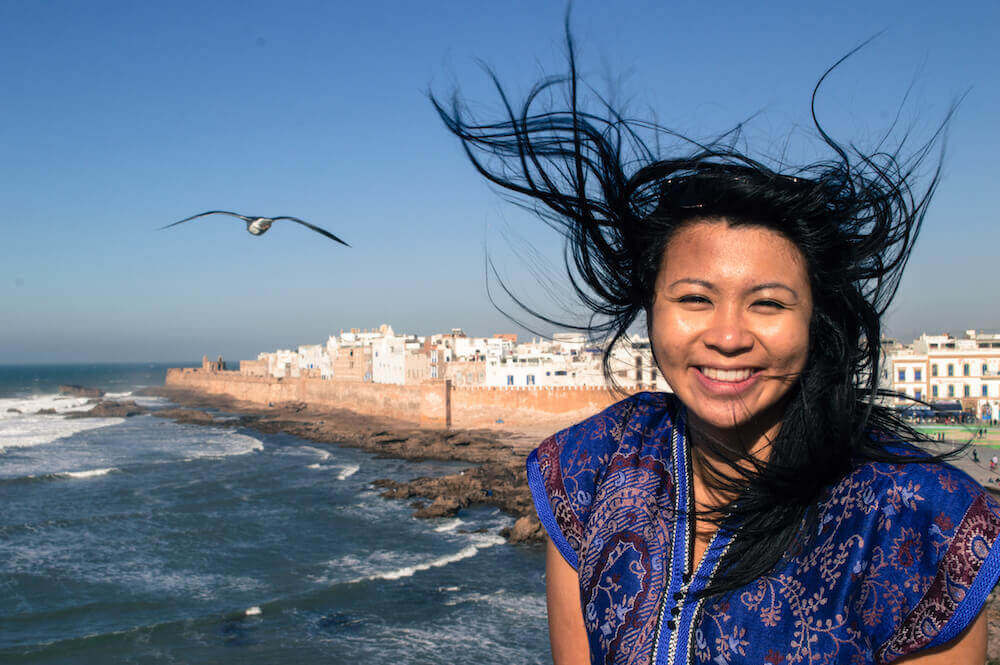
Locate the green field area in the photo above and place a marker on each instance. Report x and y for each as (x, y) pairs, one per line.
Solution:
(962, 434)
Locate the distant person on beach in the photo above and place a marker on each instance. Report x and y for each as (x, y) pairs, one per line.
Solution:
(770, 509)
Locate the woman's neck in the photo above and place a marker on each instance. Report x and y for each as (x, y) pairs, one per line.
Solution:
(721, 458)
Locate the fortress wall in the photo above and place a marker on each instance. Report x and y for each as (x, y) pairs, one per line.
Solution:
(402, 402)
(433, 403)
(482, 407)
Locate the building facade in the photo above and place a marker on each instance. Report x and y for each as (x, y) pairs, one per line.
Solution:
(945, 368)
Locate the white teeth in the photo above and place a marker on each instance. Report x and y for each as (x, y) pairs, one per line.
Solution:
(728, 375)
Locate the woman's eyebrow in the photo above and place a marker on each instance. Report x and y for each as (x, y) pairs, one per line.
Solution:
(709, 285)
(692, 280)
(774, 285)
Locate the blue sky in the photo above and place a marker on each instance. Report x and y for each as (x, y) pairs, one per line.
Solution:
(121, 117)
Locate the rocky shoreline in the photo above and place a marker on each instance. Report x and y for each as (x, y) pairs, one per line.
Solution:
(496, 475)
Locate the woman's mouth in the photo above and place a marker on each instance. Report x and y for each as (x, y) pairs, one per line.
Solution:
(726, 375)
(726, 381)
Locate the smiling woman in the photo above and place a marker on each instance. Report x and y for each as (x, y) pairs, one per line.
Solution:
(730, 326)
(770, 510)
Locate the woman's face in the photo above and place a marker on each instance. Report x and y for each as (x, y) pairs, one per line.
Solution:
(730, 325)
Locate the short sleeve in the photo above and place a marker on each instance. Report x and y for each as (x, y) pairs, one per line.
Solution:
(563, 473)
(935, 559)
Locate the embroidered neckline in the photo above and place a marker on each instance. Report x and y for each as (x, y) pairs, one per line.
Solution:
(674, 635)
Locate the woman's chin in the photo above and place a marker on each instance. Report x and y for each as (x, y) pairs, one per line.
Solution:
(746, 429)
(720, 420)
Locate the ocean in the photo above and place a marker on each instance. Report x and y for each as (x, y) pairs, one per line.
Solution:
(141, 540)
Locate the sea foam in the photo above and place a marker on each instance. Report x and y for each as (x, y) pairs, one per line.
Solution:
(27, 429)
(322, 454)
(348, 471)
(450, 525)
(92, 473)
(479, 542)
(223, 444)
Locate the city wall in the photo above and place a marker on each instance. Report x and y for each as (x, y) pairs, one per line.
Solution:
(433, 403)
(560, 407)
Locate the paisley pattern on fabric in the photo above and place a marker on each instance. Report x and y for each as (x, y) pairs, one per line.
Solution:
(966, 554)
(893, 566)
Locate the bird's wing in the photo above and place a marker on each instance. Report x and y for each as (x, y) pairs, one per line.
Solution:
(314, 228)
(210, 212)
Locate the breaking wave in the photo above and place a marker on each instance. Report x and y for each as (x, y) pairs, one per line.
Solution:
(92, 473)
(467, 552)
(348, 471)
(29, 430)
(450, 525)
(322, 454)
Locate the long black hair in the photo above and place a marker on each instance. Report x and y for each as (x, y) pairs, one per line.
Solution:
(855, 217)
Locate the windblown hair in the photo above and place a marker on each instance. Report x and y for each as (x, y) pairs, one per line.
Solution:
(855, 218)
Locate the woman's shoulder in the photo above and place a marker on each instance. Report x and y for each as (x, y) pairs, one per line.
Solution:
(915, 487)
(623, 423)
(565, 471)
(931, 541)
(889, 500)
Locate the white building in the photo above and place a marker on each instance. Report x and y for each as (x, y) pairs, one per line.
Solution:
(281, 363)
(942, 367)
(568, 360)
(314, 356)
(634, 368)
(389, 360)
(400, 359)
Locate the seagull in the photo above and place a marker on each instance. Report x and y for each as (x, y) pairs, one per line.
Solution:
(257, 225)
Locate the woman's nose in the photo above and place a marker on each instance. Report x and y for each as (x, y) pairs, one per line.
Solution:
(727, 333)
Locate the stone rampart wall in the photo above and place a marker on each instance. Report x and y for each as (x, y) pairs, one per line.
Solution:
(402, 402)
(483, 407)
(433, 403)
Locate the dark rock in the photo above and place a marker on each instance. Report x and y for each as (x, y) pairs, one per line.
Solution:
(442, 506)
(80, 391)
(13, 410)
(186, 416)
(110, 410)
(526, 529)
(46, 412)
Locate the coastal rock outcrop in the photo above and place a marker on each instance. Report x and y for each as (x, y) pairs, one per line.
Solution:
(80, 391)
(110, 410)
(442, 506)
(526, 529)
(498, 483)
(186, 416)
(495, 476)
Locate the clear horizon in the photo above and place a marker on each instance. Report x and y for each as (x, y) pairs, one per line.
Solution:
(128, 117)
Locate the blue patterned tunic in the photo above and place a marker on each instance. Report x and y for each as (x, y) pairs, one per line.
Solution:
(903, 558)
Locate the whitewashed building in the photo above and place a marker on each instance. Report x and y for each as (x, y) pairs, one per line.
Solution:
(281, 363)
(315, 357)
(389, 360)
(946, 368)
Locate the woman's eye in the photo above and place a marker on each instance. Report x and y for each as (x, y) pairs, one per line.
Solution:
(698, 300)
(770, 304)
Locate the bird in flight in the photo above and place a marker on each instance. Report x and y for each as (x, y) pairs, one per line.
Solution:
(258, 225)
